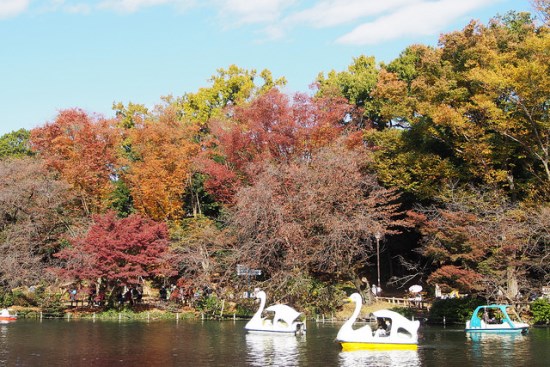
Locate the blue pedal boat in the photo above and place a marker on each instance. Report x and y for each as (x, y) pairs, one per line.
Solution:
(496, 319)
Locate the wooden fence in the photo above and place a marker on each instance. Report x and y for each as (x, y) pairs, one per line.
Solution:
(407, 302)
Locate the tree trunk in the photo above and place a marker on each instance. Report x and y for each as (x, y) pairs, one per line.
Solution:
(512, 288)
(362, 286)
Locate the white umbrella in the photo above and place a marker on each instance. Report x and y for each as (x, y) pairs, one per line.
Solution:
(415, 288)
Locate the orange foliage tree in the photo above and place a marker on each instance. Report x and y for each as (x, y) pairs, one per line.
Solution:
(159, 168)
(82, 149)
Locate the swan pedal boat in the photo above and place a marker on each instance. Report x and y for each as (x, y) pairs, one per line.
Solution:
(402, 335)
(285, 319)
(503, 324)
(5, 316)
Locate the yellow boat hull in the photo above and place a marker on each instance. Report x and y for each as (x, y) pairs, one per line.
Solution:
(350, 346)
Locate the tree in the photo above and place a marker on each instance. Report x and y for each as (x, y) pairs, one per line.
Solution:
(230, 87)
(313, 218)
(116, 253)
(356, 85)
(82, 149)
(15, 144)
(199, 250)
(158, 171)
(479, 102)
(36, 211)
(542, 7)
(272, 127)
(483, 243)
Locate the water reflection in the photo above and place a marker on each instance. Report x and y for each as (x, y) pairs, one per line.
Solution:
(487, 347)
(273, 349)
(3, 344)
(379, 358)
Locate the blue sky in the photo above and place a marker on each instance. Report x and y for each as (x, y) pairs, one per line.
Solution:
(58, 54)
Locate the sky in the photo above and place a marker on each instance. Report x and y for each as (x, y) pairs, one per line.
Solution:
(89, 54)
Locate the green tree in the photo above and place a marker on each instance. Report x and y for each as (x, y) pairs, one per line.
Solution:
(15, 144)
(230, 87)
(356, 85)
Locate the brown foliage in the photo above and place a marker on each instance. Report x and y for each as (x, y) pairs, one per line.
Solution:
(484, 243)
(314, 216)
(36, 210)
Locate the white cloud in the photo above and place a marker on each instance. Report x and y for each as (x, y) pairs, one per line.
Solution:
(375, 21)
(252, 11)
(330, 13)
(418, 19)
(10, 8)
(78, 9)
(131, 6)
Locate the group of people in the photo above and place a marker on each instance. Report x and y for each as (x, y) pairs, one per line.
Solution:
(184, 295)
(131, 295)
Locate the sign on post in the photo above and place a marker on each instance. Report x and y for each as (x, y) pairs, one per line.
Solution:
(243, 270)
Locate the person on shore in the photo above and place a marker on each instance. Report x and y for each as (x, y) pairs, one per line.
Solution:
(72, 296)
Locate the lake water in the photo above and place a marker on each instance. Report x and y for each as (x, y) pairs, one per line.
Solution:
(225, 343)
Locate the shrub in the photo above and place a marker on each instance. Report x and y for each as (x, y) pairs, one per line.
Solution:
(454, 310)
(210, 305)
(540, 309)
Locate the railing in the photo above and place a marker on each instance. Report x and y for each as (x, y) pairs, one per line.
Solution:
(406, 302)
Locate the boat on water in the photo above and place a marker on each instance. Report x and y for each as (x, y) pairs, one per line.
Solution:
(280, 318)
(496, 318)
(393, 331)
(6, 316)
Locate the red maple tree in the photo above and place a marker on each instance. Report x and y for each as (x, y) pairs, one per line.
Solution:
(117, 253)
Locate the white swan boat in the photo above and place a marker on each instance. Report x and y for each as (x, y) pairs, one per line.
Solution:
(282, 319)
(399, 332)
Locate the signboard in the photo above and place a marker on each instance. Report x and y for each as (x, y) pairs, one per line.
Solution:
(546, 290)
(243, 270)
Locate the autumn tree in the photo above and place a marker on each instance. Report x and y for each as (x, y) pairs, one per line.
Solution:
(199, 248)
(482, 243)
(314, 218)
(473, 102)
(158, 170)
(272, 127)
(82, 149)
(542, 7)
(355, 85)
(116, 253)
(36, 211)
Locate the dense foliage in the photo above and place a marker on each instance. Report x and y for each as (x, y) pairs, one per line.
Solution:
(541, 311)
(441, 156)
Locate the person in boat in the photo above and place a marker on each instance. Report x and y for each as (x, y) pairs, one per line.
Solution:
(383, 328)
(489, 318)
(486, 318)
